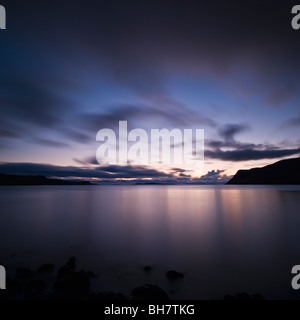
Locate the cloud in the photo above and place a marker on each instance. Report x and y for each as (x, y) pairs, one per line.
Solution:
(77, 136)
(157, 115)
(138, 42)
(111, 173)
(140, 49)
(294, 122)
(30, 102)
(232, 150)
(228, 133)
(4, 133)
(214, 177)
(87, 161)
(49, 143)
(230, 130)
(28, 107)
(103, 172)
(281, 94)
(250, 154)
(216, 144)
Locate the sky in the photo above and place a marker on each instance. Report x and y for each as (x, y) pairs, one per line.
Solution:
(71, 68)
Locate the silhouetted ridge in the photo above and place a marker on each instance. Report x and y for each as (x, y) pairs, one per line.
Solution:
(15, 180)
(281, 172)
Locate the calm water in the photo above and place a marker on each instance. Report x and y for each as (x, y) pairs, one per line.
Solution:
(225, 239)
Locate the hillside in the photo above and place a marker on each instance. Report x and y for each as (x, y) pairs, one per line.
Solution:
(15, 180)
(281, 172)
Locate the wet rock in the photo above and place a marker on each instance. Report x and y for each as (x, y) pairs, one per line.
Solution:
(24, 274)
(67, 270)
(35, 289)
(244, 296)
(14, 288)
(173, 275)
(149, 292)
(92, 275)
(3, 295)
(257, 296)
(107, 296)
(75, 287)
(46, 268)
(147, 268)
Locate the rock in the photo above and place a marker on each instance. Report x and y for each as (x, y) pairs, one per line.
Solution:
(3, 295)
(75, 287)
(92, 274)
(173, 275)
(257, 296)
(147, 268)
(244, 296)
(24, 274)
(149, 292)
(35, 289)
(107, 296)
(14, 288)
(46, 268)
(67, 270)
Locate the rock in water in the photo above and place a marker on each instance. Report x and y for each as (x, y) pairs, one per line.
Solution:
(24, 274)
(35, 289)
(173, 275)
(46, 268)
(149, 292)
(67, 270)
(75, 287)
(147, 268)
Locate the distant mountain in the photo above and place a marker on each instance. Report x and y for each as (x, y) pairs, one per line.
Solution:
(14, 180)
(281, 172)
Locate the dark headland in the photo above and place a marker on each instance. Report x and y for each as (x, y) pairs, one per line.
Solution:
(16, 180)
(281, 172)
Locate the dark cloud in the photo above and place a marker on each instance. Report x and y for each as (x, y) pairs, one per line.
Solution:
(139, 41)
(27, 101)
(293, 122)
(87, 161)
(216, 144)
(229, 131)
(250, 154)
(178, 170)
(243, 151)
(178, 115)
(282, 94)
(104, 172)
(28, 108)
(109, 174)
(76, 135)
(50, 143)
(4, 133)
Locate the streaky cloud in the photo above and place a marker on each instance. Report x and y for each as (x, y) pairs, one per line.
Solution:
(250, 154)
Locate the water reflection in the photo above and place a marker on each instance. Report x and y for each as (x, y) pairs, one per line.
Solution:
(225, 239)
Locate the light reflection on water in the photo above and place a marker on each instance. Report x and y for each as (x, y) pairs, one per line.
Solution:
(225, 239)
